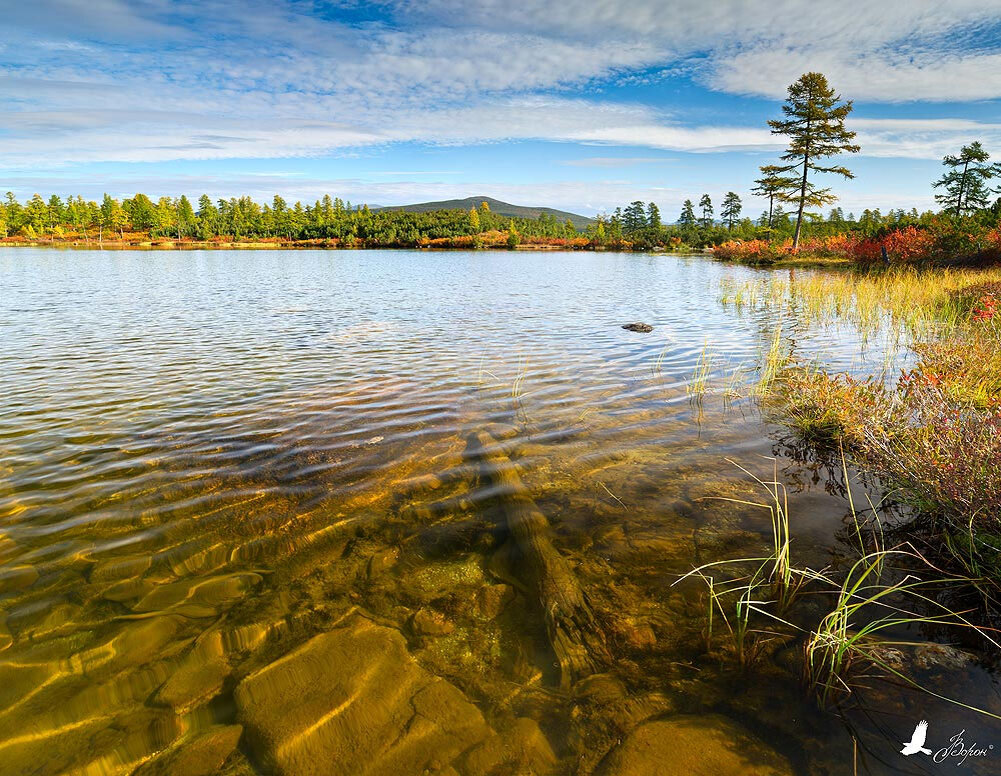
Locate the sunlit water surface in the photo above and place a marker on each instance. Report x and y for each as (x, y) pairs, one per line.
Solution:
(240, 490)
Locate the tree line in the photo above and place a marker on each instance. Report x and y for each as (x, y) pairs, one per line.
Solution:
(240, 218)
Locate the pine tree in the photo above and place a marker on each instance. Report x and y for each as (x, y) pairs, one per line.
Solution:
(474, 221)
(772, 184)
(706, 206)
(185, 217)
(965, 182)
(634, 217)
(731, 209)
(653, 215)
(815, 125)
(687, 217)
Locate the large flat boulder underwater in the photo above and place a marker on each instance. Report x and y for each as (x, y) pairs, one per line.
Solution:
(354, 701)
(693, 745)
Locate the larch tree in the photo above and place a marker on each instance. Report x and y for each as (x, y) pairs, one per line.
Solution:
(634, 217)
(653, 215)
(687, 217)
(965, 181)
(730, 211)
(772, 184)
(185, 217)
(815, 125)
(706, 206)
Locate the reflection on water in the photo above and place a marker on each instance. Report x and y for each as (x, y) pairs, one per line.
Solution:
(395, 512)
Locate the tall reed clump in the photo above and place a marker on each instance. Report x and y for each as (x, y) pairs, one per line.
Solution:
(933, 436)
(857, 634)
(883, 593)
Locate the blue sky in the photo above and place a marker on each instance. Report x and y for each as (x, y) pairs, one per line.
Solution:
(581, 105)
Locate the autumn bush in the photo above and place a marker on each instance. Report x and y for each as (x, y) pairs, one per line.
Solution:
(944, 239)
(934, 435)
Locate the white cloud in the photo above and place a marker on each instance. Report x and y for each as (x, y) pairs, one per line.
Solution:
(154, 80)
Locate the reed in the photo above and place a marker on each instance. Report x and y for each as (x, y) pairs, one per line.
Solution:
(697, 386)
(855, 635)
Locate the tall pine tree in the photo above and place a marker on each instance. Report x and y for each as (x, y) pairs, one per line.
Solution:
(815, 125)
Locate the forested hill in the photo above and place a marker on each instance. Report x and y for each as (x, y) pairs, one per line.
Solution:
(496, 206)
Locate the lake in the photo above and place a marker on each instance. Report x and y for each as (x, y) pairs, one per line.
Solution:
(406, 512)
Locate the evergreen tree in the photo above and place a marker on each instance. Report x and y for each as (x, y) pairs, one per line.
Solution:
(815, 125)
(706, 206)
(772, 184)
(185, 217)
(965, 181)
(653, 215)
(730, 211)
(687, 217)
(634, 217)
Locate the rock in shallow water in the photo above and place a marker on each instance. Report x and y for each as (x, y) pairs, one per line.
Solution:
(201, 756)
(640, 327)
(355, 701)
(710, 745)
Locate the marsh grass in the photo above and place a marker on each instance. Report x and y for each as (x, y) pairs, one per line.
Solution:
(856, 634)
(698, 384)
(883, 592)
(921, 302)
(932, 434)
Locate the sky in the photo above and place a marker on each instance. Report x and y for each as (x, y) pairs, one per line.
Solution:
(582, 105)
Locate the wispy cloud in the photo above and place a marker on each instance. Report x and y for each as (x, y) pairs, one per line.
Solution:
(130, 81)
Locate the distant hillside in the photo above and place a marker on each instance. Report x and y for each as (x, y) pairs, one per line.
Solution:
(496, 206)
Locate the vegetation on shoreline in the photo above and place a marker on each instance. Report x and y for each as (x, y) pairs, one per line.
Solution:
(328, 222)
(931, 435)
(921, 565)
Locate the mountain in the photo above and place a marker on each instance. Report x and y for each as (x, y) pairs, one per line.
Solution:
(496, 206)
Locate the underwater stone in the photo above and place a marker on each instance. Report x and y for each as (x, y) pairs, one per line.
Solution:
(941, 657)
(426, 622)
(523, 748)
(491, 600)
(196, 680)
(708, 745)
(127, 590)
(5, 638)
(201, 756)
(640, 327)
(17, 578)
(115, 569)
(382, 561)
(355, 700)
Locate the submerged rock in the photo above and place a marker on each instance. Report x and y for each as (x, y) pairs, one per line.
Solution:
(5, 638)
(201, 756)
(355, 701)
(426, 622)
(708, 745)
(523, 749)
(640, 327)
(17, 578)
(491, 600)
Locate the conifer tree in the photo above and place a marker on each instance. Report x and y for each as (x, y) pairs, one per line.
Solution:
(965, 181)
(730, 211)
(815, 125)
(706, 206)
(772, 184)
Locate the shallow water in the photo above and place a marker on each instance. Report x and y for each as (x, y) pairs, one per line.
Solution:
(224, 471)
